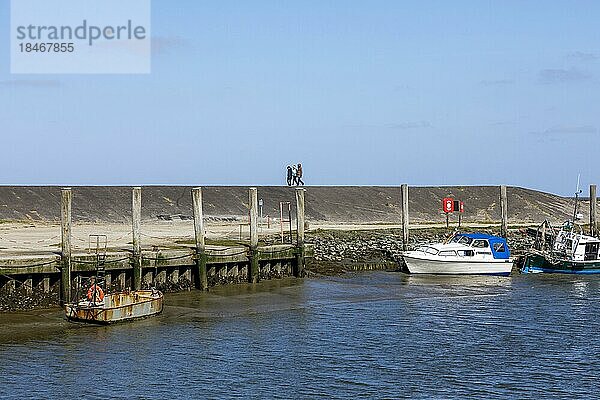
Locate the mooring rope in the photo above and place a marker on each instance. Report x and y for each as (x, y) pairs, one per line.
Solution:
(96, 262)
(30, 265)
(228, 254)
(167, 258)
(29, 241)
(276, 251)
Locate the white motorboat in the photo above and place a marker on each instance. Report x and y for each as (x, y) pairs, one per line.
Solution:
(463, 254)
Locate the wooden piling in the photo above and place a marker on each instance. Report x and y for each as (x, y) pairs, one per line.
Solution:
(504, 211)
(28, 285)
(121, 280)
(404, 210)
(201, 257)
(253, 203)
(299, 270)
(46, 284)
(107, 280)
(593, 226)
(136, 201)
(65, 254)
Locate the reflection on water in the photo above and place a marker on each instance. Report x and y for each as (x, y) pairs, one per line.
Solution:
(386, 335)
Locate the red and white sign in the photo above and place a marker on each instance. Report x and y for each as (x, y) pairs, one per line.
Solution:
(448, 204)
(462, 207)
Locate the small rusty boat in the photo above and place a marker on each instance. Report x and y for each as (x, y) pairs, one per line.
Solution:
(115, 307)
(97, 308)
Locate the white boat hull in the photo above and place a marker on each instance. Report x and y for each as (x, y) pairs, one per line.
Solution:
(417, 265)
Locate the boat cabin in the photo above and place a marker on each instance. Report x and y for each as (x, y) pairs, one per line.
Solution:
(484, 244)
(576, 246)
(474, 246)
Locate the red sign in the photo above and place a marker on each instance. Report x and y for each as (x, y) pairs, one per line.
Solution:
(462, 207)
(448, 204)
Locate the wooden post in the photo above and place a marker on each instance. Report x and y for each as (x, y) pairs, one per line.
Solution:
(404, 210)
(253, 202)
(593, 226)
(137, 243)
(46, 284)
(28, 285)
(504, 211)
(299, 270)
(65, 254)
(201, 257)
(593, 200)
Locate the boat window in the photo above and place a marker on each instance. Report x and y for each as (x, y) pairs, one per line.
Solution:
(461, 239)
(499, 247)
(447, 253)
(480, 243)
(431, 250)
(466, 253)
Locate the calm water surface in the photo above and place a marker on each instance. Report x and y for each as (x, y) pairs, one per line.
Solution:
(377, 335)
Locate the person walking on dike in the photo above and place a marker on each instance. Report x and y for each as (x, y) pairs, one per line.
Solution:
(294, 174)
(299, 180)
(289, 175)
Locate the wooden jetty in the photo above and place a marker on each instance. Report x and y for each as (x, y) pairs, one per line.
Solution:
(136, 268)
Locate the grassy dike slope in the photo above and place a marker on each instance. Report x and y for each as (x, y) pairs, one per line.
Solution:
(335, 204)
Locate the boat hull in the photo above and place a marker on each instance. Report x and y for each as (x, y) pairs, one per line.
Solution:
(117, 307)
(417, 265)
(537, 263)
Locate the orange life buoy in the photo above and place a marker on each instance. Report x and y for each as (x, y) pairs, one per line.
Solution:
(98, 290)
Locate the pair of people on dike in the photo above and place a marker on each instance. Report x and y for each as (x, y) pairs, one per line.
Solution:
(294, 175)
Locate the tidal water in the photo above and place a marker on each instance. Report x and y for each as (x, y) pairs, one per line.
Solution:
(370, 335)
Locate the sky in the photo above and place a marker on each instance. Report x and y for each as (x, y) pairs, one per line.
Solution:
(360, 92)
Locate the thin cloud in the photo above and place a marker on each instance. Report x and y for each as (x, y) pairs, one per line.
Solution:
(582, 56)
(567, 130)
(31, 83)
(165, 44)
(496, 82)
(409, 125)
(395, 125)
(502, 123)
(552, 76)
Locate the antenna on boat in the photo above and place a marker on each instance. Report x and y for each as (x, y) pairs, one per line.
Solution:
(577, 192)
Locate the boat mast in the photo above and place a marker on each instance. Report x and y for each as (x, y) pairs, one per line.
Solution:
(576, 200)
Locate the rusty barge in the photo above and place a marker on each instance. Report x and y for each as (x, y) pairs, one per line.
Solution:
(116, 307)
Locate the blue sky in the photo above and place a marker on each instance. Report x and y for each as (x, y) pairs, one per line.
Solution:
(377, 92)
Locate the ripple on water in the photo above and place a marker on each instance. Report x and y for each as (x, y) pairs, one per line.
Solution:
(379, 335)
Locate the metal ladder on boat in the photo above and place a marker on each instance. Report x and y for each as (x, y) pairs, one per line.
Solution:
(97, 245)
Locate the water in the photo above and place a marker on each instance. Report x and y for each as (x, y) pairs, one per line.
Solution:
(375, 335)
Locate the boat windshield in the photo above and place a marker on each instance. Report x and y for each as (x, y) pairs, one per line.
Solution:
(461, 240)
(427, 249)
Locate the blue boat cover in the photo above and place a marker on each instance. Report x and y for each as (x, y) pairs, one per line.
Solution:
(496, 243)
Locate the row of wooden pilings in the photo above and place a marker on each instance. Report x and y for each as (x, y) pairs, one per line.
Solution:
(199, 234)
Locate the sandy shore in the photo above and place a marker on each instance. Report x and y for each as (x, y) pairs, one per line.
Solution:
(27, 238)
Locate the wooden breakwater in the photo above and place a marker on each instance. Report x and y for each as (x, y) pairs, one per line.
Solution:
(198, 266)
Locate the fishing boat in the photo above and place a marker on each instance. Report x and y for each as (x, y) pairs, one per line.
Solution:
(567, 250)
(98, 308)
(463, 254)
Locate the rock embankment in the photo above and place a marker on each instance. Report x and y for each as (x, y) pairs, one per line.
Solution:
(341, 251)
